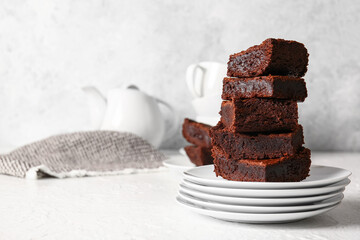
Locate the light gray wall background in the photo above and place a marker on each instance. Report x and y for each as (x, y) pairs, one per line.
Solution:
(50, 49)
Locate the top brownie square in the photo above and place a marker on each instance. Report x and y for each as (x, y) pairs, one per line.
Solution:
(273, 56)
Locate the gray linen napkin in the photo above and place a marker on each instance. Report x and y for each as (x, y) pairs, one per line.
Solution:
(82, 154)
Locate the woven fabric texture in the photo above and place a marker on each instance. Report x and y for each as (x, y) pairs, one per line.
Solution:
(82, 154)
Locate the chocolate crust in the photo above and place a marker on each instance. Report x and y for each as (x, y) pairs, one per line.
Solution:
(196, 133)
(285, 169)
(272, 56)
(280, 87)
(238, 146)
(199, 155)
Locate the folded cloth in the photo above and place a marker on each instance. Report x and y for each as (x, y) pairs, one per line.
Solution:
(82, 154)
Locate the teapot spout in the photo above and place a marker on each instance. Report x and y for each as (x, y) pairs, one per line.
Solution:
(97, 106)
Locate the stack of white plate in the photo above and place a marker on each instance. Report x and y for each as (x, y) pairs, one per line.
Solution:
(262, 202)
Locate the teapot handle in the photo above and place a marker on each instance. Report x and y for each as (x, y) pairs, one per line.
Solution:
(175, 120)
(195, 79)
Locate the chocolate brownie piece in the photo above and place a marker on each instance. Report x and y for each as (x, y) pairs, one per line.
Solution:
(256, 146)
(285, 169)
(259, 115)
(196, 133)
(199, 155)
(283, 87)
(273, 56)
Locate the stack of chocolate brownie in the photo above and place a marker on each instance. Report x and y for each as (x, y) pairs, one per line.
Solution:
(198, 134)
(258, 137)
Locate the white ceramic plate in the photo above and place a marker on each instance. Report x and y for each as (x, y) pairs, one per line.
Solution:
(178, 164)
(253, 217)
(272, 193)
(182, 151)
(260, 209)
(319, 176)
(258, 201)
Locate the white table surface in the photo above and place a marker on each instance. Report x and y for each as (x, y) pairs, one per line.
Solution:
(143, 206)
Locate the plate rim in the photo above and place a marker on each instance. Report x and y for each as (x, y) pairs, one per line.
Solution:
(255, 201)
(169, 165)
(295, 215)
(269, 185)
(256, 193)
(276, 209)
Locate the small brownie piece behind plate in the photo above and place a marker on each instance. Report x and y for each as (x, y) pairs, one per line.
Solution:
(257, 146)
(282, 87)
(196, 133)
(286, 169)
(259, 115)
(199, 155)
(273, 56)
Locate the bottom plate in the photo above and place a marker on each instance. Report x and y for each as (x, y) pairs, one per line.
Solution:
(253, 217)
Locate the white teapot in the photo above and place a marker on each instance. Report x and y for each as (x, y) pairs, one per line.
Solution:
(128, 109)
